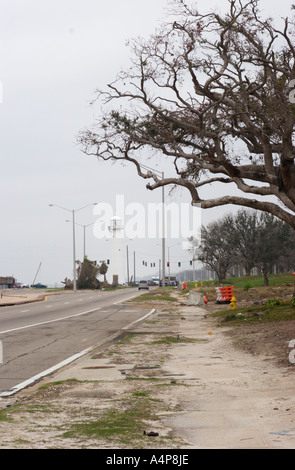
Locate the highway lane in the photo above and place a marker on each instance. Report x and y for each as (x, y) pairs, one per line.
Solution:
(62, 304)
(39, 336)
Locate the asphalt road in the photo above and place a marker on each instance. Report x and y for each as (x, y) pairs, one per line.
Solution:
(37, 337)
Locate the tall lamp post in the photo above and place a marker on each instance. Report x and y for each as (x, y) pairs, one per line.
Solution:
(73, 211)
(84, 235)
(161, 173)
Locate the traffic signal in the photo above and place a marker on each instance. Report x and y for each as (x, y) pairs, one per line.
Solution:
(168, 264)
(179, 264)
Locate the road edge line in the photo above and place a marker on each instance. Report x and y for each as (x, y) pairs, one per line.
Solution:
(66, 362)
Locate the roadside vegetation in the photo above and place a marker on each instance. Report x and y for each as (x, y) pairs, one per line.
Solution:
(274, 310)
(157, 295)
(247, 282)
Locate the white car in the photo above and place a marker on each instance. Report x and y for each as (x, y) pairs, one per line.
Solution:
(143, 285)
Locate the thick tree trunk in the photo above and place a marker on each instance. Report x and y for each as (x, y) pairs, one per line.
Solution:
(265, 278)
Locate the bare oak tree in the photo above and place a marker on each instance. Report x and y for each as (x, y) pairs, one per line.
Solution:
(272, 240)
(212, 93)
(216, 251)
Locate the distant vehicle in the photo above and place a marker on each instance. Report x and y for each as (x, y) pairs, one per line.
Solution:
(151, 283)
(7, 282)
(39, 286)
(143, 285)
(20, 285)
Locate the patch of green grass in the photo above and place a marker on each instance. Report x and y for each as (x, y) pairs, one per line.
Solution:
(274, 310)
(139, 394)
(5, 416)
(155, 295)
(126, 339)
(40, 408)
(113, 424)
(247, 282)
(122, 426)
(173, 339)
(60, 382)
(257, 281)
(21, 441)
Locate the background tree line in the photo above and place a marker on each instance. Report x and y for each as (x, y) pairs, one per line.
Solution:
(249, 239)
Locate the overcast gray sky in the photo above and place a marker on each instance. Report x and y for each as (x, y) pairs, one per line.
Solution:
(53, 56)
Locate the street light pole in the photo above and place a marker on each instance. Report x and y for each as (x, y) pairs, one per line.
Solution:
(74, 255)
(163, 224)
(163, 237)
(84, 235)
(73, 211)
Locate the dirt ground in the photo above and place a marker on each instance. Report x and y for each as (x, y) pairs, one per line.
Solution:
(178, 375)
(267, 340)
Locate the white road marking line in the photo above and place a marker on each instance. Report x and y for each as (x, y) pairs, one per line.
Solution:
(24, 384)
(50, 321)
(142, 318)
(125, 300)
(24, 311)
(67, 361)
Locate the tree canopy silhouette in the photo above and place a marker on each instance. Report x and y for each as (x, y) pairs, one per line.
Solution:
(213, 93)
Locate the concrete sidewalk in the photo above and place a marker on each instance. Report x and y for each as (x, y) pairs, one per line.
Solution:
(17, 298)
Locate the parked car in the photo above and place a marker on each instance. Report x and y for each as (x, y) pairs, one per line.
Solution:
(20, 285)
(39, 286)
(143, 285)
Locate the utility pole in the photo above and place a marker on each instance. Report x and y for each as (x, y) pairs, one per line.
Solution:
(37, 273)
(127, 264)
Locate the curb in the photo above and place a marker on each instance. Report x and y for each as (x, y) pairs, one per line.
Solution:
(21, 302)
